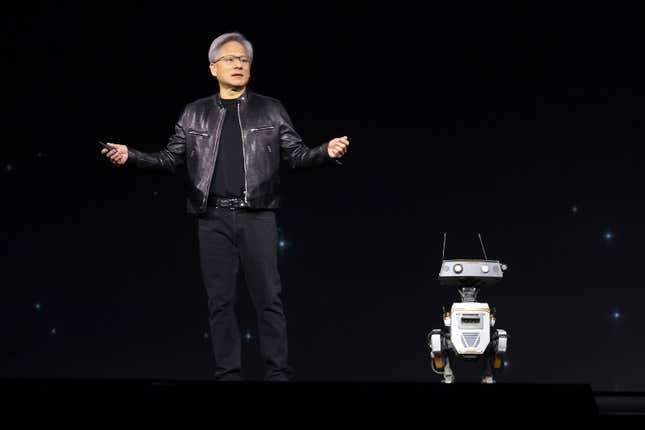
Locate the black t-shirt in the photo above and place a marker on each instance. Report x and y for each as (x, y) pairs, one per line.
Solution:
(228, 179)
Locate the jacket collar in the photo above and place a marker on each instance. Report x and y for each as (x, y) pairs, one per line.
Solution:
(243, 98)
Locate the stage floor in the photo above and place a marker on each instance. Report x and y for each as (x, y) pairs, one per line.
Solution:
(372, 400)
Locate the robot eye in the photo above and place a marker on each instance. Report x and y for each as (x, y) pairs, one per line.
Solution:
(458, 268)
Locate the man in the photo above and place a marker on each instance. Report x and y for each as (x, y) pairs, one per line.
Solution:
(231, 144)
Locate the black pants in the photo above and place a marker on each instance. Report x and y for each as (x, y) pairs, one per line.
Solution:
(230, 240)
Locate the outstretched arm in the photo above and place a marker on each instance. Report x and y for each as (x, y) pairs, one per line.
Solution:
(300, 155)
(169, 158)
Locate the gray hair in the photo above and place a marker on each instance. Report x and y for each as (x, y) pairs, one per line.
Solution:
(213, 52)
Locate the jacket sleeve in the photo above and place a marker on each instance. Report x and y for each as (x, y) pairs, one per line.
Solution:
(296, 153)
(169, 158)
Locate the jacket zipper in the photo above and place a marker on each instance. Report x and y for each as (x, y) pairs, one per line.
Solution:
(239, 119)
(196, 133)
(217, 136)
(268, 127)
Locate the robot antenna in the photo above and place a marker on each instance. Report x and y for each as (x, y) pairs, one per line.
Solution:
(482, 243)
(443, 253)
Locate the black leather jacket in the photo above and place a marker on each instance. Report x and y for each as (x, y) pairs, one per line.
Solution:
(267, 137)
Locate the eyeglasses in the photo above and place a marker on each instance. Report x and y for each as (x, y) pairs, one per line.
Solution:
(230, 59)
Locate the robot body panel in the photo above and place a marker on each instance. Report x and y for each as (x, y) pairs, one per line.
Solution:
(470, 331)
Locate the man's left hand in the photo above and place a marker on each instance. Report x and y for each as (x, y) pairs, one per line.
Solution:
(338, 147)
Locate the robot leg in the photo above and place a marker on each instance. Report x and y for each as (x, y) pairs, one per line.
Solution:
(487, 377)
(501, 346)
(494, 359)
(439, 352)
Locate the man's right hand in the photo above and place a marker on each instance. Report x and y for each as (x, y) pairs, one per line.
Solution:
(118, 155)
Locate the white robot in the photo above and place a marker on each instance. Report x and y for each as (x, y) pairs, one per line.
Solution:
(469, 326)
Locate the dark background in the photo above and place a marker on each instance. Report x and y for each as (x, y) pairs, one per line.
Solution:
(522, 123)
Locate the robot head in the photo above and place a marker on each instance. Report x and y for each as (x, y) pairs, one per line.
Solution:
(471, 273)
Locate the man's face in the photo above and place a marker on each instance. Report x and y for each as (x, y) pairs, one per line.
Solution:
(232, 67)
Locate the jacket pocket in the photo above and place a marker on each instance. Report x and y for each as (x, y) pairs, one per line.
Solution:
(197, 133)
(264, 127)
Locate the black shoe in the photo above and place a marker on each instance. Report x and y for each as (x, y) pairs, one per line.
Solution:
(229, 377)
